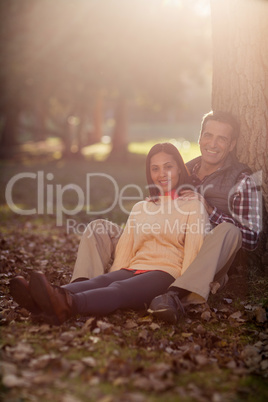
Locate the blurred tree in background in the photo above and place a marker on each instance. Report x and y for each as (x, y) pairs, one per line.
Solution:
(69, 65)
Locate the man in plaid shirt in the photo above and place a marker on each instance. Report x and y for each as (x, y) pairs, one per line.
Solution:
(229, 194)
(245, 209)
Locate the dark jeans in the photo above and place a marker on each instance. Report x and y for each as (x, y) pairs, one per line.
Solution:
(118, 290)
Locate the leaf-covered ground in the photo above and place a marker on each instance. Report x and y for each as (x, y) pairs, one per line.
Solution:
(217, 353)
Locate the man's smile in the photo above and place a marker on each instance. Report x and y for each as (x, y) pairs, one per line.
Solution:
(211, 152)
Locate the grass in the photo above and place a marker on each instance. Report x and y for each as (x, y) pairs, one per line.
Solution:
(80, 189)
(52, 148)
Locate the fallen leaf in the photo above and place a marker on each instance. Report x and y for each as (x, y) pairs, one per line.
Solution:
(206, 315)
(22, 351)
(260, 314)
(221, 344)
(67, 336)
(69, 398)
(94, 339)
(42, 361)
(130, 324)
(143, 334)
(201, 360)
(214, 287)
(169, 350)
(154, 326)
(11, 380)
(200, 329)
(264, 364)
(251, 356)
(235, 316)
(8, 368)
(43, 379)
(160, 369)
(89, 361)
(142, 383)
(88, 324)
(104, 326)
(231, 365)
(186, 334)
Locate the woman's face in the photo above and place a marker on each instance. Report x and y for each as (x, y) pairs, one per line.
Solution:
(164, 171)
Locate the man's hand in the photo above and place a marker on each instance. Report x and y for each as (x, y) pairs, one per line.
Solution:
(193, 195)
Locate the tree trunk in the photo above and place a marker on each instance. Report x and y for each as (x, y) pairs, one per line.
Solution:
(240, 75)
(40, 131)
(97, 117)
(8, 137)
(240, 79)
(119, 144)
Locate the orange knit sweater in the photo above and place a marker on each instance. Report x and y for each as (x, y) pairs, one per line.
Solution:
(165, 236)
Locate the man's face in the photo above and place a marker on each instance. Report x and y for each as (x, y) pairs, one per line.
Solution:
(216, 142)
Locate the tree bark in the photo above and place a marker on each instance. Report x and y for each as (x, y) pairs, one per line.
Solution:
(8, 137)
(240, 75)
(97, 117)
(119, 143)
(240, 86)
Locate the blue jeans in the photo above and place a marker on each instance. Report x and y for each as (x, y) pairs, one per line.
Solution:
(118, 290)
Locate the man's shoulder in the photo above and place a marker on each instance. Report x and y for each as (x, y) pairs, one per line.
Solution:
(190, 165)
(232, 164)
(237, 166)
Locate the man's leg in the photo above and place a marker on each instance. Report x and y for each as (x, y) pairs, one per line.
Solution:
(211, 264)
(96, 249)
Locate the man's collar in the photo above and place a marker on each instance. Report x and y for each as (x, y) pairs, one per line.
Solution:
(229, 160)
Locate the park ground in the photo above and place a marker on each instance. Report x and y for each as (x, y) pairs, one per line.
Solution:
(218, 352)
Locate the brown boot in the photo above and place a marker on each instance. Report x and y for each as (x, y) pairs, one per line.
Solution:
(54, 301)
(20, 291)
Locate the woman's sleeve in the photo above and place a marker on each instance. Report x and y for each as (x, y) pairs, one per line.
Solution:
(197, 227)
(124, 248)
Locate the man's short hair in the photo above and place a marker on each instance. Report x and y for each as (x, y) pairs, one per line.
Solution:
(222, 117)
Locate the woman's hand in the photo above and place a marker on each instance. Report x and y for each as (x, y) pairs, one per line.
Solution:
(193, 195)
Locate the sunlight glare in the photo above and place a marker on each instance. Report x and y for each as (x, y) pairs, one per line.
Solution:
(172, 3)
(202, 8)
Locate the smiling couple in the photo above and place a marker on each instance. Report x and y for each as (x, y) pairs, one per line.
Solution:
(167, 270)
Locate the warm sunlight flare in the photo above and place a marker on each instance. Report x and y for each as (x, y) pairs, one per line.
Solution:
(125, 71)
(201, 7)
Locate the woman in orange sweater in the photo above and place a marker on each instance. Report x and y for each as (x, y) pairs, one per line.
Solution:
(161, 238)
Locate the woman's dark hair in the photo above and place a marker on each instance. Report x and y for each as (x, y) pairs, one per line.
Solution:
(170, 149)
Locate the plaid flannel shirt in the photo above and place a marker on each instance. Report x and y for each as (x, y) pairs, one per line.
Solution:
(245, 209)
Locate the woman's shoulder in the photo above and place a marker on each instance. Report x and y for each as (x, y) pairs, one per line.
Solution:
(145, 205)
(189, 205)
(139, 205)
